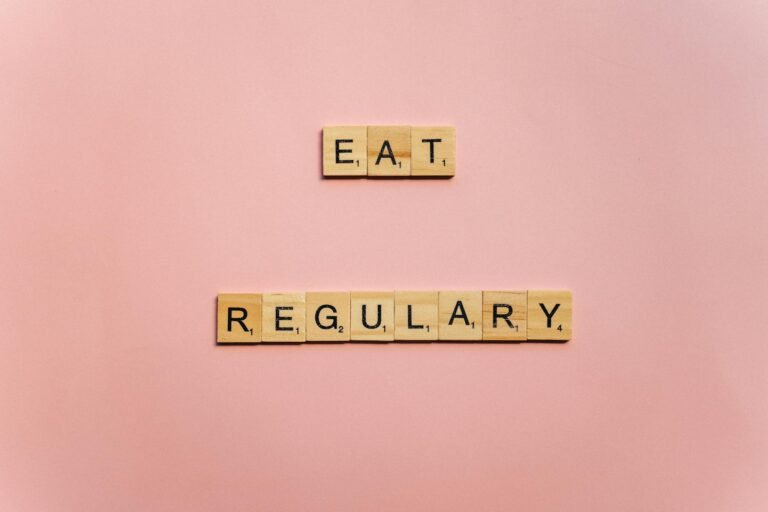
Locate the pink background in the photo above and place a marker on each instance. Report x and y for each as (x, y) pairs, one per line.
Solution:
(153, 154)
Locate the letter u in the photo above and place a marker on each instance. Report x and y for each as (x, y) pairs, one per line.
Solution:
(378, 319)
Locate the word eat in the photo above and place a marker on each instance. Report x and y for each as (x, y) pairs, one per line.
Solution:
(389, 151)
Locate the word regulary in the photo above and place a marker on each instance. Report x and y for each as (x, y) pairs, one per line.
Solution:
(389, 151)
(395, 316)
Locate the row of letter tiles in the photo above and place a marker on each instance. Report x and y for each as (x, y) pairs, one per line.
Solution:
(394, 151)
(395, 316)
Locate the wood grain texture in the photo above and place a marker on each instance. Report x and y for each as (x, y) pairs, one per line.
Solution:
(238, 318)
(283, 318)
(416, 316)
(461, 316)
(372, 316)
(328, 316)
(550, 315)
(505, 315)
(350, 159)
(389, 151)
(433, 151)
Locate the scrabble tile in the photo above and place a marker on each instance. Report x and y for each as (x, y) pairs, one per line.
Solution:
(461, 316)
(433, 151)
(389, 151)
(238, 318)
(345, 150)
(328, 316)
(283, 317)
(505, 316)
(416, 316)
(372, 316)
(549, 315)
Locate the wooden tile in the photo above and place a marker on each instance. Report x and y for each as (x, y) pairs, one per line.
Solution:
(416, 316)
(389, 151)
(372, 316)
(238, 318)
(283, 317)
(505, 316)
(433, 151)
(328, 316)
(461, 316)
(549, 315)
(345, 150)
